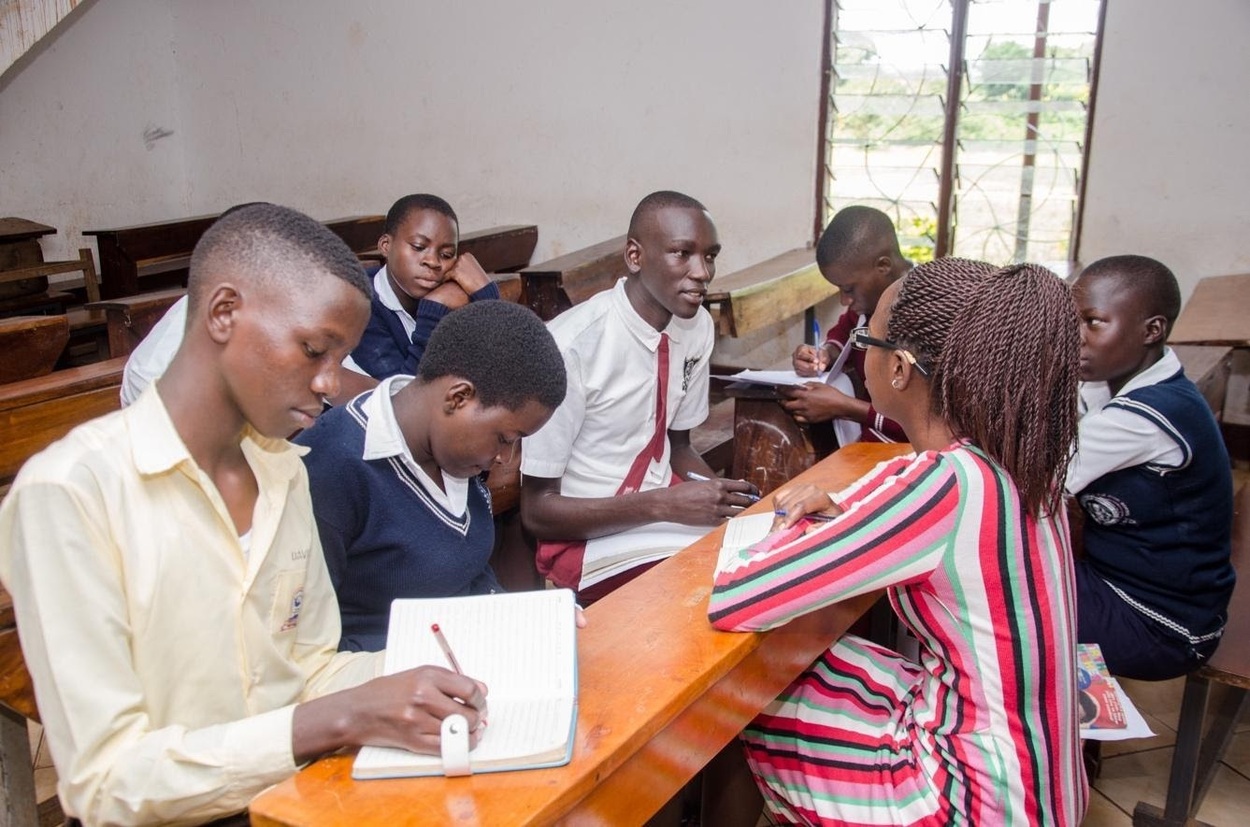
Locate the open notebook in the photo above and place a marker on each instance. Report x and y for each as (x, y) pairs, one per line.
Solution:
(523, 646)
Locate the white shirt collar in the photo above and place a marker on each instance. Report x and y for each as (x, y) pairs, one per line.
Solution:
(638, 326)
(1096, 395)
(386, 294)
(384, 439)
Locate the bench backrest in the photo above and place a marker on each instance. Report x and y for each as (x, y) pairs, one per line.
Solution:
(131, 318)
(556, 285)
(766, 293)
(30, 345)
(34, 413)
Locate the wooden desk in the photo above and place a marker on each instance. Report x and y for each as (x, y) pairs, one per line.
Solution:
(19, 248)
(661, 693)
(769, 447)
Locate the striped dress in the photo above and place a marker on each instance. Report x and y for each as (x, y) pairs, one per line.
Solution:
(982, 731)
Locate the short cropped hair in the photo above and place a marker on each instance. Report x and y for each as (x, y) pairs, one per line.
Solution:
(657, 201)
(855, 233)
(409, 204)
(267, 244)
(1150, 282)
(504, 349)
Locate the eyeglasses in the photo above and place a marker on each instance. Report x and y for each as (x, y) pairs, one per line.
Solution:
(860, 340)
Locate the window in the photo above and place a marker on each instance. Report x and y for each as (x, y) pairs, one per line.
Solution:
(965, 120)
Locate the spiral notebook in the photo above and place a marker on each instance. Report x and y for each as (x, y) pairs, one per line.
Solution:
(523, 646)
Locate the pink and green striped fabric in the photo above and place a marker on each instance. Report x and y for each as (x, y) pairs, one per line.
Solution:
(984, 729)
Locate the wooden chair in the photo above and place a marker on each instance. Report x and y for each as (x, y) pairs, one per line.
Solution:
(30, 345)
(1197, 753)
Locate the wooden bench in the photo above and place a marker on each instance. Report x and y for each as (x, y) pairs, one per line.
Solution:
(164, 248)
(36, 412)
(147, 250)
(766, 293)
(24, 273)
(556, 285)
(33, 414)
(30, 345)
(130, 318)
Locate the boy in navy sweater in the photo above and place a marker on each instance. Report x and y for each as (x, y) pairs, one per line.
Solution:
(422, 281)
(396, 473)
(1152, 477)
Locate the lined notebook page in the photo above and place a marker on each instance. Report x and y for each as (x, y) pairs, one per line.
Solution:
(522, 645)
(740, 533)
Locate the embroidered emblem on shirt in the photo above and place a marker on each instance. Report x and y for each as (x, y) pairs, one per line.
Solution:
(299, 553)
(297, 605)
(1105, 509)
(687, 370)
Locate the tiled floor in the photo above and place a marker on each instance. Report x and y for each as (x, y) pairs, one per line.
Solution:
(1137, 770)
(1132, 771)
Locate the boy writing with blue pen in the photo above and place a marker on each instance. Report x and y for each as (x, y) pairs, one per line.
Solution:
(859, 254)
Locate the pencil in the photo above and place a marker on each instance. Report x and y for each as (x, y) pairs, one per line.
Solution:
(446, 647)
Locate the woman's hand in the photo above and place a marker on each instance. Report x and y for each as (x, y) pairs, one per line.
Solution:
(794, 502)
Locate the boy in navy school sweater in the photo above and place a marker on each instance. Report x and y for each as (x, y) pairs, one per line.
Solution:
(1153, 479)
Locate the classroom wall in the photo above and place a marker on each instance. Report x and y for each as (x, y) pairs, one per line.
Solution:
(561, 114)
(80, 117)
(1169, 175)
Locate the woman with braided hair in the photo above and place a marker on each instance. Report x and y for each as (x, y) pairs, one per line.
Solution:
(970, 537)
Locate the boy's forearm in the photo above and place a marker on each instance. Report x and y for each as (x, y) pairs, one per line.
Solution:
(553, 516)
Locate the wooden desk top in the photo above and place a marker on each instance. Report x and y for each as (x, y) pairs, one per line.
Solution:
(661, 692)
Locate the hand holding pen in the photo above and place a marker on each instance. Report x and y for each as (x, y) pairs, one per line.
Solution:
(709, 500)
(811, 360)
(804, 500)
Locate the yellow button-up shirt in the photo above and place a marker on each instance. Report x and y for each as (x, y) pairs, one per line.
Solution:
(166, 660)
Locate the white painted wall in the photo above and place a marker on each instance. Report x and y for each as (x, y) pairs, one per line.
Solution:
(561, 113)
(1169, 170)
(73, 114)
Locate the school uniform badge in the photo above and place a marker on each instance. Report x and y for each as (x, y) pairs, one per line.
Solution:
(687, 370)
(1105, 509)
(297, 605)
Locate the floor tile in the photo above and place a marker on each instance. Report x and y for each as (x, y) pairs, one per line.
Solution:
(1103, 813)
(1159, 698)
(1238, 754)
(1142, 776)
(1164, 736)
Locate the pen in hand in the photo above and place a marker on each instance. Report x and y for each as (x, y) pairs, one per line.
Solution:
(693, 477)
(815, 515)
(446, 647)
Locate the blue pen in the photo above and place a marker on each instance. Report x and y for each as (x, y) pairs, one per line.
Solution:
(817, 516)
(815, 331)
(693, 477)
